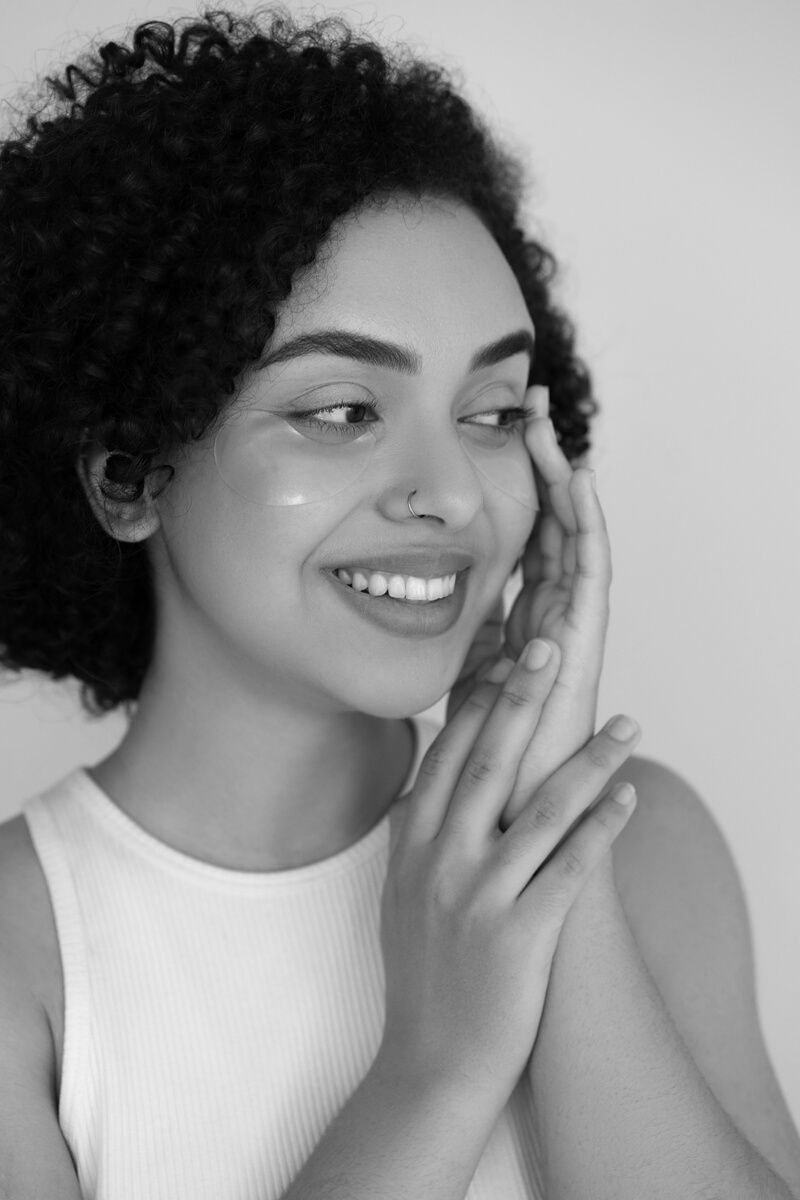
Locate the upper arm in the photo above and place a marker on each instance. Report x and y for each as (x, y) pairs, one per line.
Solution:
(34, 1158)
(684, 902)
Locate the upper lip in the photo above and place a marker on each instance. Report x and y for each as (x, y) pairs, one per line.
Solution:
(424, 564)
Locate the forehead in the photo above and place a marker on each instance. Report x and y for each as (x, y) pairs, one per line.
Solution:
(428, 273)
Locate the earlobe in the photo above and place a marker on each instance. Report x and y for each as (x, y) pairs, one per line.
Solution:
(124, 520)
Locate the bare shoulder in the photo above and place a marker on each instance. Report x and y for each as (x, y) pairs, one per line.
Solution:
(26, 917)
(30, 965)
(667, 808)
(672, 842)
(685, 904)
(35, 1158)
(674, 868)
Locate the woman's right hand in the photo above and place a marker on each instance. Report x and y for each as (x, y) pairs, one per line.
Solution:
(471, 915)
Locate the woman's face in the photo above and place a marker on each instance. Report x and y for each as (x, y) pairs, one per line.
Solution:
(247, 573)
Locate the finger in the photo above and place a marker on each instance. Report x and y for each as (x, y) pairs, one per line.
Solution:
(537, 400)
(559, 881)
(568, 719)
(531, 561)
(465, 778)
(588, 607)
(490, 769)
(542, 563)
(551, 810)
(551, 543)
(444, 760)
(484, 651)
(554, 469)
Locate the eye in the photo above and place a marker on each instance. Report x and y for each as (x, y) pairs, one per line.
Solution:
(510, 420)
(337, 428)
(513, 416)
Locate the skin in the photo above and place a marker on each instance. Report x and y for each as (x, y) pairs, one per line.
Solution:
(308, 704)
(606, 1031)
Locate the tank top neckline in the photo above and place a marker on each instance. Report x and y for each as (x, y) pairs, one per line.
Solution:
(124, 829)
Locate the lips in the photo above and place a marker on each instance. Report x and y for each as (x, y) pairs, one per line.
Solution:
(423, 564)
(403, 618)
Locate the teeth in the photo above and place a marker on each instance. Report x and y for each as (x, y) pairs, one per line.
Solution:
(378, 585)
(400, 587)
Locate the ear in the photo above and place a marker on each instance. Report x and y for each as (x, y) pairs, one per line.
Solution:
(125, 520)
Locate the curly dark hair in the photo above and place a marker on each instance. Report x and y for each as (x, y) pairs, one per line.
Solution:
(150, 227)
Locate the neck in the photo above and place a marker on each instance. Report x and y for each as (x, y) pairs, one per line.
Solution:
(264, 787)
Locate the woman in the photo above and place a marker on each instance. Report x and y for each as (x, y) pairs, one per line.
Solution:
(286, 940)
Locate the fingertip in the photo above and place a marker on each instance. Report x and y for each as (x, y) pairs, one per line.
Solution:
(534, 430)
(555, 651)
(585, 475)
(556, 659)
(539, 400)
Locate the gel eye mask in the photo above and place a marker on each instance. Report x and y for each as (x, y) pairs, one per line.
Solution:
(277, 459)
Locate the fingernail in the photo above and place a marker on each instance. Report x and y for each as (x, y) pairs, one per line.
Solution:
(625, 794)
(537, 654)
(500, 671)
(622, 729)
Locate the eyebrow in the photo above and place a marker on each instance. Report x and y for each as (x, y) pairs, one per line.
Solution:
(377, 353)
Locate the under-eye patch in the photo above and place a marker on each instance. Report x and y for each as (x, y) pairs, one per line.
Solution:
(274, 459)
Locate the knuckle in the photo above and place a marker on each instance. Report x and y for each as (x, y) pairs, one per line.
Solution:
(479, 767)
(545, 812)
(514, 699)
(598, 753)
(434, 762)
(570, 864)
(603, 816)
(510, 850)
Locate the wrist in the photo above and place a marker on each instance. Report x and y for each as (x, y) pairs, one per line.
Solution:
(597, 906)
(417, 1080)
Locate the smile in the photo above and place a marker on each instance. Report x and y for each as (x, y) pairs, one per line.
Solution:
(410, 588)
(404, 616)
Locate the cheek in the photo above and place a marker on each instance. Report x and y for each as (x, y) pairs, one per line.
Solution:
(228, 562)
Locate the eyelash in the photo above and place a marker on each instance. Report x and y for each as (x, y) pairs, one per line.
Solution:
(519, 414)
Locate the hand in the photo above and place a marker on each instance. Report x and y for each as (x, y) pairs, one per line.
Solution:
(565, 596)
(470, 915)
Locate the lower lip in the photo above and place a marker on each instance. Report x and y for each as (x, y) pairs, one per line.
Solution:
(401, 617)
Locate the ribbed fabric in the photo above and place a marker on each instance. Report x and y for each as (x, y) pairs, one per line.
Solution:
(217, 1020)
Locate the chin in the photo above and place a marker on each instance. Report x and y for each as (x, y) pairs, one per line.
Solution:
(399, 698)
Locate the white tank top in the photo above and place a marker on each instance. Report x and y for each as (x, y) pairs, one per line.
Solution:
(217, 1020)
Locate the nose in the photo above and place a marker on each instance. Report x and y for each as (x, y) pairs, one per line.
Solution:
(431, 458)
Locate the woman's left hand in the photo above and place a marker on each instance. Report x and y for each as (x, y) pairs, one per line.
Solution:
(565, 596)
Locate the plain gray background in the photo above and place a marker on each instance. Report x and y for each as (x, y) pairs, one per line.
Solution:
(663, 138)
